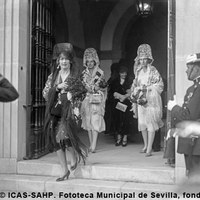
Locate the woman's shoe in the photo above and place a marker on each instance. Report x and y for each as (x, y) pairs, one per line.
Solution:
(148, 154)
(73, 167)
(118, 143)
(143, 151)
(66, 176)
(119, 140)
(124, 141)
(93, 150)
(90, 150)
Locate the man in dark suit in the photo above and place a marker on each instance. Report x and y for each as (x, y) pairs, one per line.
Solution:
(190, 110)
(7, 91)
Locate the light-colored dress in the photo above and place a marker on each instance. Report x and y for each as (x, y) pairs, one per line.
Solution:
(150, 114)
(93, 113)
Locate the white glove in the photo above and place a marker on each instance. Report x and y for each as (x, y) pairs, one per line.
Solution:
(171, 103)
(188, 129)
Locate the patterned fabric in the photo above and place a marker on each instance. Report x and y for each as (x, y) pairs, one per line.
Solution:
(93, 114)
(94, 79)
(47, 87)
(149, 115)
(144, 51)
(61, 132)
(90, 53)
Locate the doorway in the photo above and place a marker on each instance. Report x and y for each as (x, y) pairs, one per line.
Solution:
(152, 30)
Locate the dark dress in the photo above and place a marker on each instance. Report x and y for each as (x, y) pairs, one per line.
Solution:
(7, 91)
(60, 124)
(122, 120)
(190, 110)
(109, 107)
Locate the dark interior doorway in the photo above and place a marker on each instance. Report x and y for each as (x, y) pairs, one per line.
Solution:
(152, 30)
(93, 15)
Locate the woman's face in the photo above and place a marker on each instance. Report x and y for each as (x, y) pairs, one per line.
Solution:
(90, 63)
(64, 62)
(123, 75)
(143, 62)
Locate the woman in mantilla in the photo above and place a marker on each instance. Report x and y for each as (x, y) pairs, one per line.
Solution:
(146, 90)
(62, 91)
(93, 106)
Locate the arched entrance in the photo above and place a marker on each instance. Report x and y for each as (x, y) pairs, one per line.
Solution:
(128, 159)
(121, 32)
(124, 31)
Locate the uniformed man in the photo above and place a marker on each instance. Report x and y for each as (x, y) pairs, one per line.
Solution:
(7, 91)
(190, 110)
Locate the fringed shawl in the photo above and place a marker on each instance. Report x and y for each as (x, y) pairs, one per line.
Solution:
(68, 123)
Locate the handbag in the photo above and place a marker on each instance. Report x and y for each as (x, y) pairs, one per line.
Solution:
(122, 107)
(95, 98)
(56, 109)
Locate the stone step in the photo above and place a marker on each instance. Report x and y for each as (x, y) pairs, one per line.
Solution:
(163, 175)
(86, 187)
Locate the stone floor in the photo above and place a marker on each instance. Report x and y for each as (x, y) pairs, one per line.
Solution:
(108, 154)
(111, 169)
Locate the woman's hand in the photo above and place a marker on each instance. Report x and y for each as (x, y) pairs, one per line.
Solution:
(89, 89)
(122, 98)
(171, 103)
(144, 88)
(116, 95)
(96, 88)
(136, 89)
(119, 96)
(62, 86)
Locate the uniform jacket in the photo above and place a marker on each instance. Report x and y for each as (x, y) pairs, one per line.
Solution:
(190, 110)
(7, 91)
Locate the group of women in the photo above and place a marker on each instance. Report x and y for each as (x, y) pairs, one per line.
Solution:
(70, 95)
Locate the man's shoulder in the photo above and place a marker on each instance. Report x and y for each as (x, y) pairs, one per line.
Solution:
(1, 77)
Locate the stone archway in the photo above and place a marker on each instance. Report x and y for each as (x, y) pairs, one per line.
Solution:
(110, 36)
(75, 27)
(112, 23)
(123, 28)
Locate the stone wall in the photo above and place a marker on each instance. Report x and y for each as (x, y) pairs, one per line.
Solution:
(187, 42)
(14, 42)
